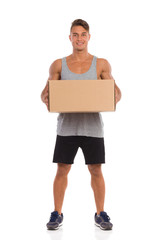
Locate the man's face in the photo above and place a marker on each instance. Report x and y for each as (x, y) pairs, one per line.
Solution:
(79, 38)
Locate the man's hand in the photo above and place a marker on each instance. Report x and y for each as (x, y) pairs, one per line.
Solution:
(44, 95)
(117, 94)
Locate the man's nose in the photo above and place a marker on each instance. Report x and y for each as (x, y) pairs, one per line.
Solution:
(79, 37)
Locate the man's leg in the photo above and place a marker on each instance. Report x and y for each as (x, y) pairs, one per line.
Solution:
(98, 185)
(60, 184)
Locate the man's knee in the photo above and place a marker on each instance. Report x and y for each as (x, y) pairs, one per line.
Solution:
(63, 169)
(95, 169)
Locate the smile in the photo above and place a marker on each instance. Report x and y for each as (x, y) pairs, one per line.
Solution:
(79, 44)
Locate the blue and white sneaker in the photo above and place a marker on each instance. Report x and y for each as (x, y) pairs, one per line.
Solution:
(55, 221)
(103, 221)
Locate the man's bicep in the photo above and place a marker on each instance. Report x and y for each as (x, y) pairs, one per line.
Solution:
(54, 70)
(106, 70)
(54, 76)
(106, 75)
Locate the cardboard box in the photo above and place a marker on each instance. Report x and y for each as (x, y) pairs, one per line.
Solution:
(68, 96)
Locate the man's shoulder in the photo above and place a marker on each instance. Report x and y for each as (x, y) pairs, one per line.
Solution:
(102, 61)
(103, 64)
(56, 65)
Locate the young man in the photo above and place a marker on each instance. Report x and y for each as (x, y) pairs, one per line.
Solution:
(76, 130)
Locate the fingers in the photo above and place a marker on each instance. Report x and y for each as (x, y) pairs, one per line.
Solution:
(46, 102)
(45, 95)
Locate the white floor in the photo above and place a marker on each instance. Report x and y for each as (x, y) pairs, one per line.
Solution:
(132, 202)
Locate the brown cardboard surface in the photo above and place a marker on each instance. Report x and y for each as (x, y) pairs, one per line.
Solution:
(81, 95)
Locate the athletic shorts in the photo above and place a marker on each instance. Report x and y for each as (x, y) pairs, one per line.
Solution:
(66, 148)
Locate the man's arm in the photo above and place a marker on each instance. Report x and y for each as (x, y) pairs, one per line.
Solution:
(54, 74)
(106, 74)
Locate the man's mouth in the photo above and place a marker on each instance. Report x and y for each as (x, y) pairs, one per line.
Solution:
(80, 43)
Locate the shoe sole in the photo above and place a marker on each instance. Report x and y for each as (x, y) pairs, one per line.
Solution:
(109, 227)
(51, 228)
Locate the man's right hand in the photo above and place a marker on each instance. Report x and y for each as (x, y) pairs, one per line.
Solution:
(44, 95)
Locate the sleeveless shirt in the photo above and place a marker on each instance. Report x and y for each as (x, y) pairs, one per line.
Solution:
(81, 124)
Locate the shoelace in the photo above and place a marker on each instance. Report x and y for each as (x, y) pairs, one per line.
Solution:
(105, 217)
(53, 217)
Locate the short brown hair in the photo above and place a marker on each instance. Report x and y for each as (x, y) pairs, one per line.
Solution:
(80, 22)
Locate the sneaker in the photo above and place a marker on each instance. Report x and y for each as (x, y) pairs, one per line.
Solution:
(103, 221)
(55, 221)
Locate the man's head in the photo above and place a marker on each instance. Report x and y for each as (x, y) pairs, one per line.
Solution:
(79, 34)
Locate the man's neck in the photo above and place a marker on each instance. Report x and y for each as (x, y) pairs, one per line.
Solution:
(80, 55)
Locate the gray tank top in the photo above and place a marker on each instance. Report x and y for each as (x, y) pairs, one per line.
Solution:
(82, 124)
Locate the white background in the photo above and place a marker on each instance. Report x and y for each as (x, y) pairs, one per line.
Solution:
(34, 34)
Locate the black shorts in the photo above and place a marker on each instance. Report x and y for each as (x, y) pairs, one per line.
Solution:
(66, 148)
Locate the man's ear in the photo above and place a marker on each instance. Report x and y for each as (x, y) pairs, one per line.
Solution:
(70, 37)
(89, 37)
